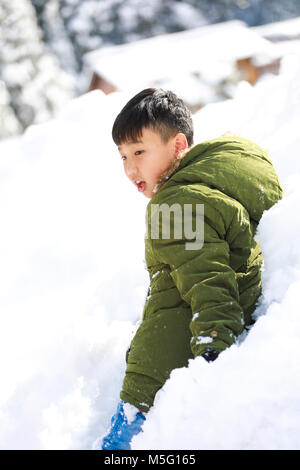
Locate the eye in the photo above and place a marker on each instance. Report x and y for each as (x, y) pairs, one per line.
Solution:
(123, 157)
(138, 152)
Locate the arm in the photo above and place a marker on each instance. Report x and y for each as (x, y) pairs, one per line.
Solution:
(206, 282)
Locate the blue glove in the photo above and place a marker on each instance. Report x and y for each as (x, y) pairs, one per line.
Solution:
(123, 427)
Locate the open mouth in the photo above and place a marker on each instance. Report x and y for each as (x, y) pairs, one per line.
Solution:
(141, 185)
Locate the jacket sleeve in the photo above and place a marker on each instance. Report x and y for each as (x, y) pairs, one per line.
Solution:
(206, 282)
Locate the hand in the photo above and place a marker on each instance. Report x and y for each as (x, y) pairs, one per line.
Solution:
(126, 423)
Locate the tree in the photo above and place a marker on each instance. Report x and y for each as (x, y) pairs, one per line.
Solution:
(35, 85)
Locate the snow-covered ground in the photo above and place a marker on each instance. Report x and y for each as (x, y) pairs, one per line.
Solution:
(73, 284)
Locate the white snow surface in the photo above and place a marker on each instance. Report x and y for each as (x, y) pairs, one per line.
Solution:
(73, 284)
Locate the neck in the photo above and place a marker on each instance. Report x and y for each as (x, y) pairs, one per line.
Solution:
(170, 169)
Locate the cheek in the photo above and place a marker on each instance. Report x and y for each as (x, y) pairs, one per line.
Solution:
(126, 172)
(154, 166)
(156, 171)
(148, 169)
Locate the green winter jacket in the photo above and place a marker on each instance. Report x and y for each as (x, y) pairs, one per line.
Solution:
(202, 297)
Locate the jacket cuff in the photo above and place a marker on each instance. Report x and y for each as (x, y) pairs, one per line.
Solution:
(139, 390)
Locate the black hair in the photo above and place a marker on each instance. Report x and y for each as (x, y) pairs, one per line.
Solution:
(154, 108)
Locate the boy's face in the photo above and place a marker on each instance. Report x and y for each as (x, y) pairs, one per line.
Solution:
(144, 161)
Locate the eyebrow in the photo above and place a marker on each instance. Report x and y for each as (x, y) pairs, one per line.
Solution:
(132, 142)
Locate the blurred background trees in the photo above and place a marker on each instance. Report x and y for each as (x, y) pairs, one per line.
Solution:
(43, 42)
(33, 85)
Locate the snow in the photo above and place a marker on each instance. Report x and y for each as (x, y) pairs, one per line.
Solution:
(67, 257)
(280, 29)
(73, 285)
(130, 412)
(203, 340)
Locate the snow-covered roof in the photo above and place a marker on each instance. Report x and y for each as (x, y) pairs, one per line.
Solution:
(287, 29)
(291, 46)
(146, 61)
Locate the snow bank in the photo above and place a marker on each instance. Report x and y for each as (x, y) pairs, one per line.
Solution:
(73, 285)
(72, 277)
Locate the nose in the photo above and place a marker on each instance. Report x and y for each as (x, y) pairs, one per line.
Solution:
(131, 170)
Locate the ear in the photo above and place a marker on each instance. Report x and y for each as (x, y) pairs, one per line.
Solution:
(181, 142)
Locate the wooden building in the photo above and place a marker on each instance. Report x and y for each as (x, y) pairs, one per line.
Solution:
(194, 63)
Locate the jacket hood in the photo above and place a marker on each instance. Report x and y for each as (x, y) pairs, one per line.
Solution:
(236, 166)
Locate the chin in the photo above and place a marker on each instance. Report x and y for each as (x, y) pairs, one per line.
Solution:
(148, 193)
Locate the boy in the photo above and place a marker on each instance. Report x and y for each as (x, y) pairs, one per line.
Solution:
(201, 296)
